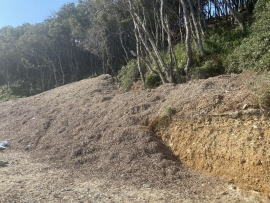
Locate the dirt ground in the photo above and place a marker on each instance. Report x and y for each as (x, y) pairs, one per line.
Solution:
(26, 181)
(87, 142)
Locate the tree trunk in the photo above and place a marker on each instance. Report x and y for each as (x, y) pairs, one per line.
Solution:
(140, 26)
(180, 23)
(188, 36)
(236, 17)
(166, 28)
(150, 53)
(138, 58)
(197, 30)
(201, 19)
(122, 44)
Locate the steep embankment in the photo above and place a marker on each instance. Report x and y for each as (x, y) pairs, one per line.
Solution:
(216, 130)
(91, 127)
(234, 146)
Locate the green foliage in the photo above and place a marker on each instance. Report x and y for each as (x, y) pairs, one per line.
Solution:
(3, 94)
(254, 51)
(218, 45)
(181, 59)
(171, 111)
(222, 40)
(181, 56)
(127, 75)
(208, 68)
(6, 94)
(152, 81)
(180, 53)
(19, 89)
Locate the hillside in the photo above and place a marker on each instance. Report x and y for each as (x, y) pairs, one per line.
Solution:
(91, 131)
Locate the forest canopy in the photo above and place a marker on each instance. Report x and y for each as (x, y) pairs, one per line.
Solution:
(148, 40)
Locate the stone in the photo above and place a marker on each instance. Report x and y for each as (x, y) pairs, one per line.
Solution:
(244, 106)
(3, 163)
(146, 185)
(258, 162)
(242, 161)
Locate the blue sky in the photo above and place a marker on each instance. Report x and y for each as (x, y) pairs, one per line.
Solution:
(17, 12)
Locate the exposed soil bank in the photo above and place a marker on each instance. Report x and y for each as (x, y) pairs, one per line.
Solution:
(234, 146)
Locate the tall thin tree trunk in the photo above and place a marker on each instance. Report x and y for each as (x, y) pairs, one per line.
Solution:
(180, 23)
(139, 24)
(166, 28)
(150, 53)
(188, 36)
(236, 17)
(197, 30)
(122, 44)
(201, 19)
(138, 57)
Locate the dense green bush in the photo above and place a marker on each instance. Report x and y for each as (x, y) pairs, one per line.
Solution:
(128, 75)
(254, 51)
(152, 81)
(208, 68)
(218, 45)
(222, 40)
(19, 89)
(181, 56)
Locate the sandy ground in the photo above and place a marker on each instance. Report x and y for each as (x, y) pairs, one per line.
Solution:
(25, 181)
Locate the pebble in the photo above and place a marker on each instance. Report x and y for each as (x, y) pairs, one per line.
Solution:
(3, 163)
(96, 196)
(224, 193)
(146, 185)
(244, 106)
(82, 196)
(253, 199)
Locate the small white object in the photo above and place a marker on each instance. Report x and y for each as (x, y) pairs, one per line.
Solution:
(245, 106)
(146, 185)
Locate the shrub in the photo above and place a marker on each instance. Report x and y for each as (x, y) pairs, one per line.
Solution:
(208, 69)
(127, 75)
(171, 111)
(254, 52)
(152, 81)
(19, 88)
